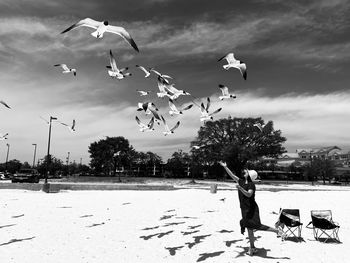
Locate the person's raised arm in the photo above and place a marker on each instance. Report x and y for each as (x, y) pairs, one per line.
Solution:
(233, 176)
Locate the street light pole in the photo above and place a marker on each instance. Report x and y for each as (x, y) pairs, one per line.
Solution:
(48, 150)
(68, 164)
(7, 156)
(34, 154)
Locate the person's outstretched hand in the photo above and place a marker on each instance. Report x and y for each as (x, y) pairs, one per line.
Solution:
(223, 164)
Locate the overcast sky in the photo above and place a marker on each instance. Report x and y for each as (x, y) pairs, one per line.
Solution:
(297, 55)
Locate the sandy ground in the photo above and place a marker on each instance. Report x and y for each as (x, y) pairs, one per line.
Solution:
(187, 225)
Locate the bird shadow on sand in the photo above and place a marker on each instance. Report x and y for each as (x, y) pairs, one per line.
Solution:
(225, 231)
(172, 250)
(166, 217)
(189, 233)
(64, 207)
(159, 235)
(7, 225)
(17, 216)
(150, 228)
(93, 225)
(230, 242)
(197, 240)
(173, 224)
(186, 217)
(205, 256)
(260, 252)
(83, 216)
(171, 210)
(126, 203)
(16, 240)
(193, 227)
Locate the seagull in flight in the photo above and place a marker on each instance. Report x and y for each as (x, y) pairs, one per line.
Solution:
(174, 110)
(146, 106)
(143, 93)
(114, 72)
(144, 127)
(225, 93)
(162, 91)
(205, 115)
(101, 28)
(174, 93)
(66, 69)
(167, 130)
(234, 63)
(197, 147)
(3, 137)
(161, 77)
(71, 128)
(146, 71)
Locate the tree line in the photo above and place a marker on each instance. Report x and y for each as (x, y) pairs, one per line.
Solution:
(236, 141)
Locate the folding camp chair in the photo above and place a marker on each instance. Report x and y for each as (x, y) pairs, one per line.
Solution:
(290, 218)
(323, 224)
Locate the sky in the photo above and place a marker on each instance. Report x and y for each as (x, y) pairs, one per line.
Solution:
(296, 52)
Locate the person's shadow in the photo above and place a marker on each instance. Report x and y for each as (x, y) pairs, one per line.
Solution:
(261, 252)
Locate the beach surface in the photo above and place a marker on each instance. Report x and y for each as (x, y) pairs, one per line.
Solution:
(184, 225)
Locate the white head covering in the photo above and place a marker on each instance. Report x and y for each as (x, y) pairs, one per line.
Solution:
(253, 174)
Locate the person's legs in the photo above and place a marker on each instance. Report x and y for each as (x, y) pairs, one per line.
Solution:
(279, 232)
(251, 237)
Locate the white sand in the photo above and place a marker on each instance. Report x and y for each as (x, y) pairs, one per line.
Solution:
(108, 226)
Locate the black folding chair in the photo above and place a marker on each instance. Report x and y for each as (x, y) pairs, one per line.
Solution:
(290, 218)
(323, 225)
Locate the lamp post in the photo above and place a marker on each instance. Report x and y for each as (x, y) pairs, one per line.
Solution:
(7, 156)
(34, 144)
(48, 149)
(68, 164)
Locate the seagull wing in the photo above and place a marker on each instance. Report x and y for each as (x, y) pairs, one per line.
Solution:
(155, 114)
(172, 105)
(166, 76)
(224, 90)
(143, 69)
(123, 33)
(218, 110)
(5, 104)
(230, 58)
(175, 127)
(203, 108)
(112, 61)
(151, 123)
(63, 66)
(63, 123)
(156, 72)
(87, 22)
(222, 57)
(73, 125)
(187, 107)
(138, 121)
(208, 104)
(243, 69)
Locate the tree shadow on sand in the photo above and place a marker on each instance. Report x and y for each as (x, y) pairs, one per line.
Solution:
(204, 256)
(16, 240)
(172, 250)
(261, 252)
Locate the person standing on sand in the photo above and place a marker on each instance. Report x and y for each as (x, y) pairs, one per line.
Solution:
(249, 208)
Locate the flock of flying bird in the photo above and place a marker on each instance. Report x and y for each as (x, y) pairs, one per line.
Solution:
(163, 81)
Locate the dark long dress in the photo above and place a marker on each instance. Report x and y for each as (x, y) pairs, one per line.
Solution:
(249, 208)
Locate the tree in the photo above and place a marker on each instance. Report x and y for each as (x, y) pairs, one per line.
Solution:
(146, 162)
(323, 168)
(55, 165)
(237, 141)
(109, 153)
(12, 166)
(178, 162)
